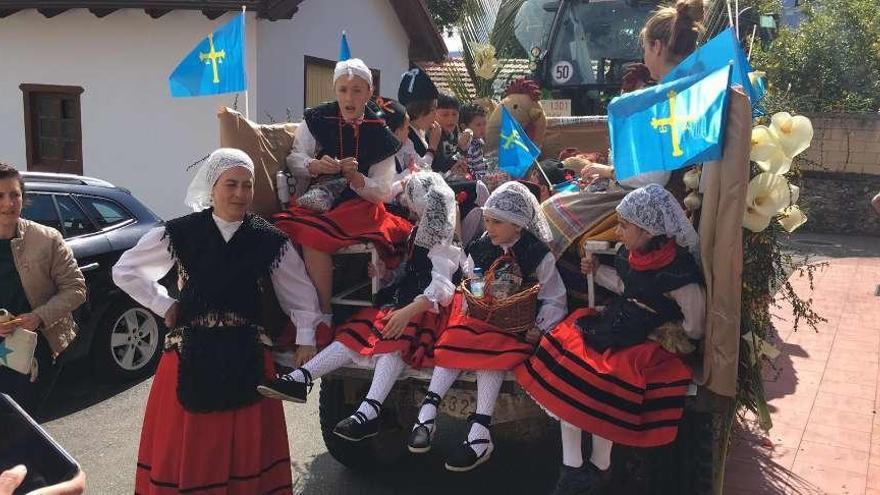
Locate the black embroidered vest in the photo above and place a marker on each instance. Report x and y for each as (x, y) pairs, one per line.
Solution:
(528, 252)
(417, 142)
(374, 143)
(220, 276)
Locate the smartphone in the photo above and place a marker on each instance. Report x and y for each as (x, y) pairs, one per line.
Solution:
(23, 441)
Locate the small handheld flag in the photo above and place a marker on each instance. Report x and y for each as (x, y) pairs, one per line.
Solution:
(214, 66)
(671, 125)
(516, 152)
(344, 50)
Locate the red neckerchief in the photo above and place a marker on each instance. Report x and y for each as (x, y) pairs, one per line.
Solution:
(653, 260)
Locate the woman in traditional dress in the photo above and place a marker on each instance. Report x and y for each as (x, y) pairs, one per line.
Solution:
(206, 429)
(598, 372)
(345, 154)
(516, 235)
(410, 313)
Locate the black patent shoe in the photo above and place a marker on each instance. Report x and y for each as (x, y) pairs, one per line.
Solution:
(286, 388)
(584, 480)
(423, 432)
(357, 427)
(464, 458)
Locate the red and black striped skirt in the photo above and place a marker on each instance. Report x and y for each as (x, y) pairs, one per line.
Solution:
(472, 344)
(242, 451)
(362, 333)
(632, 396)
(351, 222)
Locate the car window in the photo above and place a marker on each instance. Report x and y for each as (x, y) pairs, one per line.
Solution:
(73, 219)
(40, 208)
(107, 213)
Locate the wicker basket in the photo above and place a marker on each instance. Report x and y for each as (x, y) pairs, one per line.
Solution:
(514, 314)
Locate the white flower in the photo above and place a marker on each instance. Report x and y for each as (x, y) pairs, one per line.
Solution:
(485, 63)
(793, 132)
(755, 221)
(792, 218)
(691, 178)
(768, 194)
(767, 151)
(693, 201)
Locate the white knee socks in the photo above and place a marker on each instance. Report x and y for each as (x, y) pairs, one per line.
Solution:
(441, 381)
(601, 455)
(388, 369)
(572, 453)
(333, 357)
(488, 386)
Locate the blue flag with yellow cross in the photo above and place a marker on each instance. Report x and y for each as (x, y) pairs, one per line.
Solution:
(516, 152)
(214, 66)
(669, 126)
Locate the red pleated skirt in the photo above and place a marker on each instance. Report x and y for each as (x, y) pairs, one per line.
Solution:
(632, 396)
(362, 333)
(242, 451)
(351, 222)
(472, 344)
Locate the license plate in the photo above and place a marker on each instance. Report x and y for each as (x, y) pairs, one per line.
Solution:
(459, 403)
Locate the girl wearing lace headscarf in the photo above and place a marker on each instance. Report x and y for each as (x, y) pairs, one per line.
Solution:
(517, 233)
(205, 425)
(409, 316)
(599, 372)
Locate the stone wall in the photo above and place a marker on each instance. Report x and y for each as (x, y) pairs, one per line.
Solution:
(845, 142)
(840, 203)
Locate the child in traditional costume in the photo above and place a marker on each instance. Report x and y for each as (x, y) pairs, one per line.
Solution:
(206, 428)
(448, 108)
(473, 123)
(514, 244)
(418, 93)
(342, 141)
(599, 372)
(403, 330)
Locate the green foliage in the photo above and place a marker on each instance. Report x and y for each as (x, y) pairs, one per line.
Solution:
(446, 13)
(831, 61)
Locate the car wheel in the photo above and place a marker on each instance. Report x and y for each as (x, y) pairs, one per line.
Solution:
(128, 342)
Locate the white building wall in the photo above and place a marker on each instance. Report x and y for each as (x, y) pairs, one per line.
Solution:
(374, 34)
(134, 134)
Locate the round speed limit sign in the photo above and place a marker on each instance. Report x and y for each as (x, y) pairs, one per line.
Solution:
(562, 72)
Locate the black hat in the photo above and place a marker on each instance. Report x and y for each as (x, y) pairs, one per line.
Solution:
(391, 111)
(416, 85)
(553, 169)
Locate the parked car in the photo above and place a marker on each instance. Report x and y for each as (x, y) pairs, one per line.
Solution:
(100, 221)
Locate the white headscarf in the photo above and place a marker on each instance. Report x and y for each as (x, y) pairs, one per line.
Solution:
(198, 194)
(514, 203)
(353, 67)
(656, 210)
(431, 198)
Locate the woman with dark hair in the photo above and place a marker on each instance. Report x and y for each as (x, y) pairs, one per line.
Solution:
(418, 93)
(40, 286)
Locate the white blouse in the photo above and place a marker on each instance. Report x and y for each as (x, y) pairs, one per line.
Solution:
(691, 299)
(140, 268)
(410, 149)
(377, 182)
(445, 260)
(554, 304)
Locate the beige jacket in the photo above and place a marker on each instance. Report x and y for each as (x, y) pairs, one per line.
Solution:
(51, 279)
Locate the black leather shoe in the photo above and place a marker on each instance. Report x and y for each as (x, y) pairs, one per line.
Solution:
(464, 458)
(353, 430)
(286, 388)
(357, 427)
(584, 480)
(423, 432)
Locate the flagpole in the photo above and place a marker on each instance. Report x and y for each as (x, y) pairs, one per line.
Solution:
(247, 113)
(538, 165)
(736, 9)
(752, 42)
(729, 14)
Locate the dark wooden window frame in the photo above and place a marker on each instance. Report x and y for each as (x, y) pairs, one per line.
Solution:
(30, 126)
(308, 59)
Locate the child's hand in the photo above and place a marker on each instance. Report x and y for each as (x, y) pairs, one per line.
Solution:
(395, 323)
(434, 135)
(589, 265)
(326, 165)
(376, 270)
(534, 335)
(464, 139)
